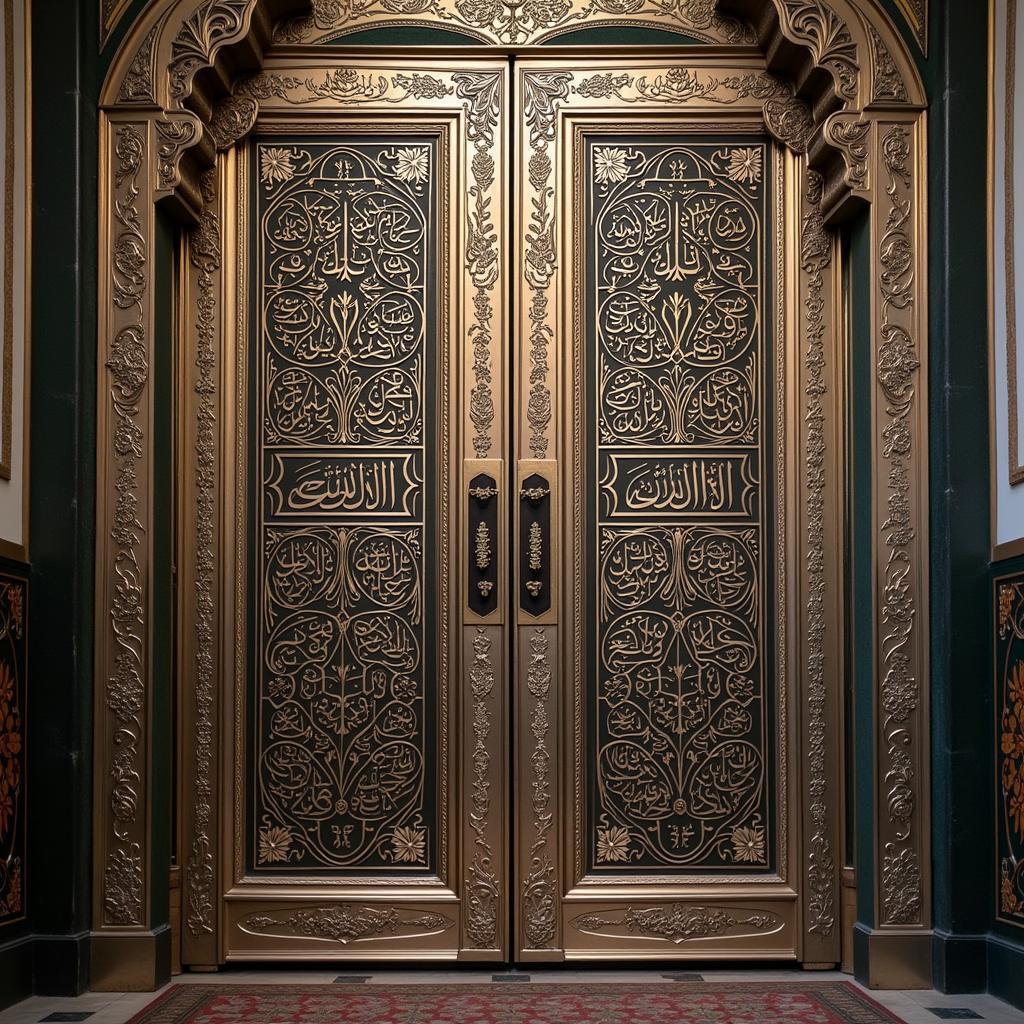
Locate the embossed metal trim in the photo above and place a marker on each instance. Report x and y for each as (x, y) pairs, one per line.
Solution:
(205, 258)
(513, 24)
(902, 551)
(345, 923)
(122, 555)
(679, 923)
(816, 247)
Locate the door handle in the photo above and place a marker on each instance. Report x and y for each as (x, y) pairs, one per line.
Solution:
(535, 544)
(484, 531)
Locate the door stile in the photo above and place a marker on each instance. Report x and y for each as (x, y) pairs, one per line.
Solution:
(739, 911)
(461, 910)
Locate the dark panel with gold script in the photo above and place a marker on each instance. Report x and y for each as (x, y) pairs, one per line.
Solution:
(679, 704)
(345, 381)
(13, 679)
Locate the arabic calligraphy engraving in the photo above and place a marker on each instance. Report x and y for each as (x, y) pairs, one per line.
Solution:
(343, 697)
(676, 315)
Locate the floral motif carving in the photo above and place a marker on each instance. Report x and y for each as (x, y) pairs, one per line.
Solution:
(542, 92)
(790, 121)
(205, 259)
(897, 364)
(13, 644)
(538, 900)
(232, 120)
(815, 23)
(211, 24)
(514, 22)
(482, 883)
(1009, 666)
(482, 94)
(678, 923)
(127, 364)
(815, 260)
(850, 136)
(345, 923)
(887, 83)
(174, 136)
(137, 86)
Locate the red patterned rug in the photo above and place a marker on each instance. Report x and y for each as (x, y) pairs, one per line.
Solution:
(528, 1003)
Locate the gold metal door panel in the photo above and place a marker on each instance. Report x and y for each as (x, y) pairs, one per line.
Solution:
(652, 511)
(654, 694)
(369, 797)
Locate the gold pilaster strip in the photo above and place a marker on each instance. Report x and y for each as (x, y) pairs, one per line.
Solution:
(900, 432)
(821, 571)
(200, 541)
(124, 538)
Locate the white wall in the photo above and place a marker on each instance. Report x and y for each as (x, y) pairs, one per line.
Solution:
(1008, 267)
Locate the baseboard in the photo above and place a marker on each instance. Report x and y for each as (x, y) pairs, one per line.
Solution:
(1006, 970)
(61, 964)
(135, 961)
(892, 959)
(15, 970)
(959, 963)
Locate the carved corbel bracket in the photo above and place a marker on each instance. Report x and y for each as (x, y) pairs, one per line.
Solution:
(185, 66)
(838, 71)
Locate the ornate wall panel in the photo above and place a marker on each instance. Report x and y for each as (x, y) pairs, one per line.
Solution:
(1008, 618)
(13, 752)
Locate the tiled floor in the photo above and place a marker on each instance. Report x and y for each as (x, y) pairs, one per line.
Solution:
(114, 1008)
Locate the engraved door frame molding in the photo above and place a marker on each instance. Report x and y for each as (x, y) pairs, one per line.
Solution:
(856, 117)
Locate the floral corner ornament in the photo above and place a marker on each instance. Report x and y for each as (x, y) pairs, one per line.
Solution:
(275, 845)
(746, 165)
(748, 845)
(276, 165)
(611, 165)
(412, 165)
(409, 845)
(613, 845)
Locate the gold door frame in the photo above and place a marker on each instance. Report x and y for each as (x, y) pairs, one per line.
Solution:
(854, 120)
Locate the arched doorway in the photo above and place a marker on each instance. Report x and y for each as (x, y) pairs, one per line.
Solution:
(509, 419)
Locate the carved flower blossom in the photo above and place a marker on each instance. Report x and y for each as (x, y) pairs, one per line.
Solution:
(275, 845)
(613, 845)
(412, 165)
(1008, 900)
(610, 165)
(409, 845)
(748, 845)
(745, 165)
(276, 165)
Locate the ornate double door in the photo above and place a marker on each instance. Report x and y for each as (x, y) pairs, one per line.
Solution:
(515, 578)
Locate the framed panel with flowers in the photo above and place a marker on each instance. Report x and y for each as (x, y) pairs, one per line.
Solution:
(1009, 668)
(13, 647)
